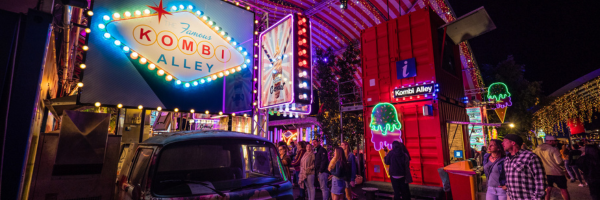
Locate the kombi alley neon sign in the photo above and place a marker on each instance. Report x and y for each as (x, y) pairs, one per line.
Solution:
(416, 90)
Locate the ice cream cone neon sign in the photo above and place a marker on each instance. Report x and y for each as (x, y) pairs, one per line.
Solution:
(385, 129)
(499, 92)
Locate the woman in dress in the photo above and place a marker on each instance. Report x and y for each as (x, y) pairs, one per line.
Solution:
(493, 166)
(338, 167)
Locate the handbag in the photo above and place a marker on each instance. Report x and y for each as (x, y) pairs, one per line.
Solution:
(358, 180)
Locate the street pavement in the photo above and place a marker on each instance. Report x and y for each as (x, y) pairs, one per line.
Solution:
(576, 192)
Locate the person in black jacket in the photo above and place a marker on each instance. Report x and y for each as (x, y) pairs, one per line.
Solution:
(321, 163)
(589, 164)
(399, 160)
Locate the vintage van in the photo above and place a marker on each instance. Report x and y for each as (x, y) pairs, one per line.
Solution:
(202, 165)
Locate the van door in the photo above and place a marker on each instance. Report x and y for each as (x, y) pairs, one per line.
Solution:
(137, 174)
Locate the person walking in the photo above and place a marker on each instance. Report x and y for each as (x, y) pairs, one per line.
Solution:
(321, 162)
(301, 146)
(552, 161)
(573, 157)
(589, 164)
(307, 172)
(285, 160)
(525, 176)
(564, 153)
(351, 173)
(493, 167)
(338, 167)
(399, 161)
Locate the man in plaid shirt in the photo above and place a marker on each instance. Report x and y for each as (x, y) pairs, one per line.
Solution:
(525, 176)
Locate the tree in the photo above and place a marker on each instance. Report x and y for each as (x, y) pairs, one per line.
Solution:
(353, 126)
(328, 114)
(525, 95)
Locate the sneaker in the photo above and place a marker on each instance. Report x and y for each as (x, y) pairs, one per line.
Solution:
(580, 185)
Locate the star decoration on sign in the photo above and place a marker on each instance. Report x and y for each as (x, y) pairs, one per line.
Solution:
(160, 10)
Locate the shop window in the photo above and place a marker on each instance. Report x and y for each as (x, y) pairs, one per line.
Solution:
(448, 60)
(139, 167)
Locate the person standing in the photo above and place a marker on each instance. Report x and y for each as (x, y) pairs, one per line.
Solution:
(552, 161)
(573, 157)
(338, 167)
(525, 176)
(307, 172)
(589, 164)
(351, 173)
(321, 162)
(399, 161)
(285, 160)
(564, 153)
(493, 167)
(301, 146)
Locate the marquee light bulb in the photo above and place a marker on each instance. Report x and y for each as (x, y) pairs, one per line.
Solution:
(245, 53)
(101, 26)
(255, 79)
(256, 21)
(106, 35)
(247, 7)
(134, 55)
(82, 66)
(178, 82)
(195, 83)
(127, 14)
(137, 13)
(187, 84)
(223, 33)
(119, 105)
(228, 38)
(146, 12)
(169, 78)
(220, 113)
(255, 44)
(140, 107)
(117, 42)
(80, 84)
(85, 48)
(202, 81)
(255, 91)
(226, 73)
(161, 72)
(151, 66)
(106, 17)
(210, 23)
(190, 7)
(232, 70)
(90, 13)
(88, 30)
(126, 49)
(192, 111)
(116, 16)
(233, 114)
(238, 68)
(97, 104)
(217, 28)
(303, 19)
(143, 61)
(245, 115)
(214, 77)
(220, 74)
(234, 43)
(181, 7)
(255, 67)
(255, 32)
(205, 18)
(159, 108)
(206, 112)
(244, 66)
(247, 60)
(176, 110)
(208, 80)
(173, 8)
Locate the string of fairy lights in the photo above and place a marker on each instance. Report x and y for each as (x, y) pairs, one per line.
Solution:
(579, 103)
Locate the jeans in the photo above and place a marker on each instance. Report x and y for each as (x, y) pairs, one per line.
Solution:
(573, 171)
(495, 193)
(323, 182)
(309, 185)
(401, 188)
(296, 181)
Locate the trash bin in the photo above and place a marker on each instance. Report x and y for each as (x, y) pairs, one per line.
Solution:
(370, 193)
(461, 173)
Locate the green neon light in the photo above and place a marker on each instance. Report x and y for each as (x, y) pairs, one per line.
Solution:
(498, 91)
(384, 117)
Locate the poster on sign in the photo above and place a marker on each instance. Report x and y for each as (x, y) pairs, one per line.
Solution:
(170, 54)
(276, 64)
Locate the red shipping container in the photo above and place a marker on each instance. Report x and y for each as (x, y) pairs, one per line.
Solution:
(414, 35)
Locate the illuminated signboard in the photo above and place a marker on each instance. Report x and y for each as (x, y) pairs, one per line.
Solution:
(476, 132)
(406, 68)
(285, 69)
(170, 54)
(427, 89)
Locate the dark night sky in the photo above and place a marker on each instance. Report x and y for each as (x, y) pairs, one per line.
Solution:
(557, 41)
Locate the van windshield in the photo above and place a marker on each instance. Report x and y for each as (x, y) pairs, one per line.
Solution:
(201, 167)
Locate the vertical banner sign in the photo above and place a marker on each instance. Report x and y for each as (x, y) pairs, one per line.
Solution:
(285, 69)
(476, 132)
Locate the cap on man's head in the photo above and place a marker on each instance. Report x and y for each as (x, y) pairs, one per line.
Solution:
(549, 137)
(515, 138)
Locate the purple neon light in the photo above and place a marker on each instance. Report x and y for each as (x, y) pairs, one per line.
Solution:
(260, 62)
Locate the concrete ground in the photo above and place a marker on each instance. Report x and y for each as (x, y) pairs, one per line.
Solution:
(576, 192)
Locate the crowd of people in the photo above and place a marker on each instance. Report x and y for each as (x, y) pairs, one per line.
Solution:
(310, 165)
(517, 173)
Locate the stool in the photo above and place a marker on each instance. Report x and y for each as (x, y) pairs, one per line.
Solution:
(370, 192)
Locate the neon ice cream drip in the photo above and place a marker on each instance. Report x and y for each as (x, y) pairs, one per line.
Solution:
(385, 127)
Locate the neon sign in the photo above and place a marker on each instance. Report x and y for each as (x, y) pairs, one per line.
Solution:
(385, 127)
(499, 92)
(416, 90)
(183, 45)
